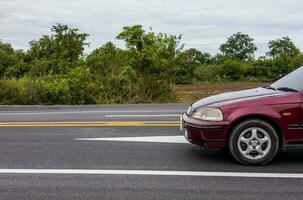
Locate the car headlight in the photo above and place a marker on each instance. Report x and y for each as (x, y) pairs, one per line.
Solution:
(208, 114)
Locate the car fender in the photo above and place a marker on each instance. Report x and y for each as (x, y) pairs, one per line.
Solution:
(257, 111)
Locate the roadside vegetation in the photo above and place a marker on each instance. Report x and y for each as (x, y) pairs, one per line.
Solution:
(189, 93)
(55, 70)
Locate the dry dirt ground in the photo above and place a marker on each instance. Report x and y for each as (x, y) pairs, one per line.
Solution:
(193, 92)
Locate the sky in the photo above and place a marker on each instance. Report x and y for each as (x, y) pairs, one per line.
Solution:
(204, 24)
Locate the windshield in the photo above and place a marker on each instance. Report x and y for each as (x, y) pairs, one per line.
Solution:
(294, 80)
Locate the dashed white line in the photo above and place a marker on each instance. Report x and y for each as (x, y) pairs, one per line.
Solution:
(129, 116)
(153, 173)
(154, 139)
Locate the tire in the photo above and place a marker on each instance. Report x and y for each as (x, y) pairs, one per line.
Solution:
(253, 142)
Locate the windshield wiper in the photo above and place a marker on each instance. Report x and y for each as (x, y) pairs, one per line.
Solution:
(269, 87)
(287, 89)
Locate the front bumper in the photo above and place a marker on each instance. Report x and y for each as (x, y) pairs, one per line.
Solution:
(204, 133)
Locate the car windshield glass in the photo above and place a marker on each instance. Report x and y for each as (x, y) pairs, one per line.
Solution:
(292, 81)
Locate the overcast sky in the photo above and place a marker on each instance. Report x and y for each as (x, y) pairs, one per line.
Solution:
(204, 24)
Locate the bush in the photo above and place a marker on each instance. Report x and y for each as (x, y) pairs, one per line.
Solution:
(72, 88)
(156, 90)
(296, 62)
(54, 90)
(206, 73)
(82, 88)
(55, 69)
(231, 70)
(259, 68)
(19, 91)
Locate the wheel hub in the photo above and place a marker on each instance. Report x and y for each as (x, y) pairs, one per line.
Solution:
(254, 143)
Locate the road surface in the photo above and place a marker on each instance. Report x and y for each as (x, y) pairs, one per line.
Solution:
(126, 152)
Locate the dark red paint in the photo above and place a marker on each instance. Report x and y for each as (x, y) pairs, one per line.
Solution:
(281, 109)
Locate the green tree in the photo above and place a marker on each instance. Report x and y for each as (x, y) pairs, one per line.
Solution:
(57, 52)
(106, 60)
(11, 61)
(134, 36)
(109, 66)
(283, 46)
(7, 57)
(196, 56)
(239, 46)
(154, 58)
(187, 63)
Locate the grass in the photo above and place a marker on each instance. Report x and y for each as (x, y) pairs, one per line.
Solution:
(196, 91)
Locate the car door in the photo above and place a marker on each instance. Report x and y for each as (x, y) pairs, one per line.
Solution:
(292, 115)
(301, 114)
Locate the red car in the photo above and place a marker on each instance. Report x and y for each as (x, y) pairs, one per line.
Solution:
(252, 124)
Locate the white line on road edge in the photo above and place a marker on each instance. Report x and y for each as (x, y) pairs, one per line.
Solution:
(120, 116)
(155, 173)
(156, 139)
(88, 112)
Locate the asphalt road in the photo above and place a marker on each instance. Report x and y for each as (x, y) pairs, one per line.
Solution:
(50, 138)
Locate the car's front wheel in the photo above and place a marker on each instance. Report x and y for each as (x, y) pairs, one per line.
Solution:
(253, 142)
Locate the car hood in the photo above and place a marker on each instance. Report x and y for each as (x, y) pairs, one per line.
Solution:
(235, 97)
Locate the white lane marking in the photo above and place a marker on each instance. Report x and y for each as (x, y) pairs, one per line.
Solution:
(156, 139)
(88, 112)
(121, 116)
(154, 173)
(181, 123)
